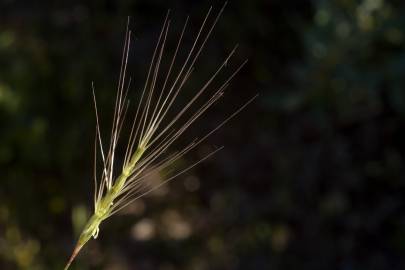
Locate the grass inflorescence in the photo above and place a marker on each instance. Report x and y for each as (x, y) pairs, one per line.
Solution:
(151, 131)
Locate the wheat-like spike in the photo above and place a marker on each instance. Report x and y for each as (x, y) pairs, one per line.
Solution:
(148, 142)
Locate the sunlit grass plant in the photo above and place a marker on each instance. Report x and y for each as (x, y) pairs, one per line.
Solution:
(151, 130)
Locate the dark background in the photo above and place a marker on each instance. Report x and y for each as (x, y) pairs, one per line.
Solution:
(311, 176)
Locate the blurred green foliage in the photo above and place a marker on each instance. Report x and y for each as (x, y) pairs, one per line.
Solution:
(312, 174)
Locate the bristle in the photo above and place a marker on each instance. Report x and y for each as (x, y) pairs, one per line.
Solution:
(150, 117)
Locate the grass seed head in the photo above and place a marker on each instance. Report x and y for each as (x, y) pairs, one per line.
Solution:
(151, 131)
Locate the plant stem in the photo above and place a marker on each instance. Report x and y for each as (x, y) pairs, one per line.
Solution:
(103, 206)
